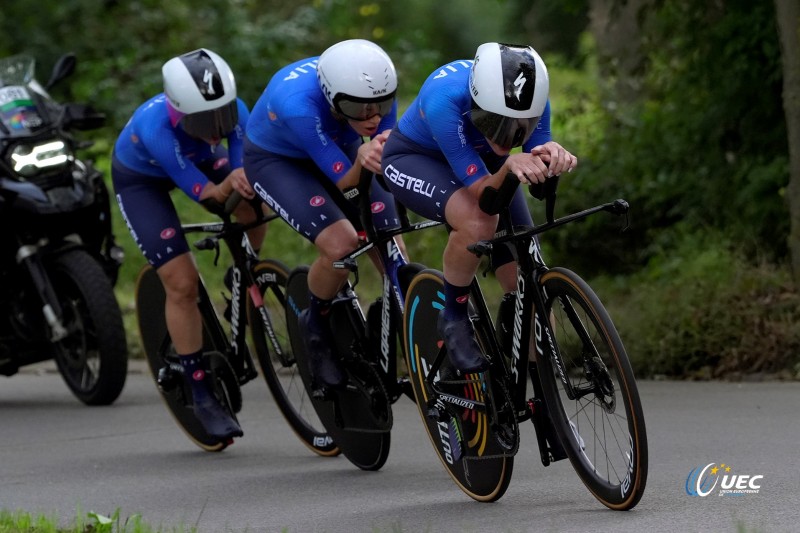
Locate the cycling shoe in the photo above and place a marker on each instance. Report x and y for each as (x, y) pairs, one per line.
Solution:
(325, 369)
(216, 420)
(462, 348)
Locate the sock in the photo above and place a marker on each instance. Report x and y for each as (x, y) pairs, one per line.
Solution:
(318, 310)
(456, 300)
(193, 368)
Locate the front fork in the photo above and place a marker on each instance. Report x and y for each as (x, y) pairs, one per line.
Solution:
(517, 342)
(29, 258)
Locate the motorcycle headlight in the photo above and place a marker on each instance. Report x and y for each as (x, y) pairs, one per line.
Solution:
(28, 160)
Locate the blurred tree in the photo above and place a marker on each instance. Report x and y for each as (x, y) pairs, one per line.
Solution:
(788, 14)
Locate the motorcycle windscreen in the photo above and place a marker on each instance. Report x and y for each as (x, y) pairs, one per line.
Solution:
(19, 113)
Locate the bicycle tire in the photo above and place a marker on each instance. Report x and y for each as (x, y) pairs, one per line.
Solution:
(614, 470)
(160, 353)
(280, 369)
(487, 474)
(345, 414)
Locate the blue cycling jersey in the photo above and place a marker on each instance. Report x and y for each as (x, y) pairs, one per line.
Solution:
(292, 118)
(438, 119)
(150, 146)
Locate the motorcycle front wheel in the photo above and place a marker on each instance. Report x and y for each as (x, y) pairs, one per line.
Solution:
(93, 357)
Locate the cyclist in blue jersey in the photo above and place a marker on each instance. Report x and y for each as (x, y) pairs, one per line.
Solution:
(455, 140)
(174, 140)
(318, 123)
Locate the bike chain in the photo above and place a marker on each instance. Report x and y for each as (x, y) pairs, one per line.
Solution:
(507, 401)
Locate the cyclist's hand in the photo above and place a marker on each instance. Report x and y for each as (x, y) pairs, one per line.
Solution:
(555, 157)
(238, 181)
(529, 169)
(370, 153)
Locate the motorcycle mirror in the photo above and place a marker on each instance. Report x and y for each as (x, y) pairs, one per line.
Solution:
(65, 65)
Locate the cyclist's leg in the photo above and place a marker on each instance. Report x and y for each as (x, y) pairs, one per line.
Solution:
(299, 192)
(425, 183)
(153, 221)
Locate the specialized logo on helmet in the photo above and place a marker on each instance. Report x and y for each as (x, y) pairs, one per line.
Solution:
(519, 77)
(519, 83)
(204, 73)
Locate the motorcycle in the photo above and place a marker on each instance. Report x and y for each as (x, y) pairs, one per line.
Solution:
(58, 257)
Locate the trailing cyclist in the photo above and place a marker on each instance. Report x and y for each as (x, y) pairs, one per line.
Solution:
(174, 139)
(454, 141)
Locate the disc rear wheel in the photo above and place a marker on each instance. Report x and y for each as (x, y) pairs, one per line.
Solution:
(475, 449)
(358, 416)
(165, 366)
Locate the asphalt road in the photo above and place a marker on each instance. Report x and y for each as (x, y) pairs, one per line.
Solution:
(62, 459)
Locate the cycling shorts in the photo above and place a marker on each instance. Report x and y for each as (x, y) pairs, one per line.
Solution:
(304, 197)
(148, 210)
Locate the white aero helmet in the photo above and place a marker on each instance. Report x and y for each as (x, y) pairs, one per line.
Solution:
(201, 94)
(509, 87)
(358, 79)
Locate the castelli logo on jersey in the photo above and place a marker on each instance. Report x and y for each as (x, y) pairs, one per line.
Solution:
(472, 169)
(135, 139)
(198, 374)
(272, 115)
(462, 299)
(317, 201)
(197, 189)
(377, 207)
(338, 167)
(167, 233)
(220, 163)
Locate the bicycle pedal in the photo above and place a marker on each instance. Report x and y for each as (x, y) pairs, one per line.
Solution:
(168, 378)
(320, 393)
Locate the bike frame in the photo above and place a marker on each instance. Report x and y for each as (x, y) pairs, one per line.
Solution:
(391, 259)
(530, 298)
(243, 282)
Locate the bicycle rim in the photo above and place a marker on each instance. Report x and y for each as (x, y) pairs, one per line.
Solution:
(278, 364)
(602, 428)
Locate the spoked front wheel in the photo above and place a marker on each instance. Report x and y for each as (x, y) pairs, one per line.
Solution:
(267, 320)
(591, 393)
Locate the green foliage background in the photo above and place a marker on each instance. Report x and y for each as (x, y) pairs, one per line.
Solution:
(693, 137)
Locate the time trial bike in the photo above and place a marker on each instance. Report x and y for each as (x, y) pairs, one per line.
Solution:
(358, 416)
(558, 363)
(257, 300)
